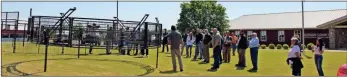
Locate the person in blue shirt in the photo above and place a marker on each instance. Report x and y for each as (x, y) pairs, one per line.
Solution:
(254, 46)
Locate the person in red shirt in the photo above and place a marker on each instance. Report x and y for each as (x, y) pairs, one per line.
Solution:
(234, 42)
(342, 70)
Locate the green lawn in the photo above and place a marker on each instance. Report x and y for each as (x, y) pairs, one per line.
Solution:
(27, 61)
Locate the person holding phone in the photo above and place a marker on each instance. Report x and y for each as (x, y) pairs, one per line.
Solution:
(318, 50)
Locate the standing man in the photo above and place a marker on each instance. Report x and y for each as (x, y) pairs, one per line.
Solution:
(242, 46)
(198, 47)
(207, 42)
(254, 46)
(216, 42)
(175, 40)
(165, 41)
(109, 37)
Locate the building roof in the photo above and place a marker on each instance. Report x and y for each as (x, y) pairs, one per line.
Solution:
(286, 20)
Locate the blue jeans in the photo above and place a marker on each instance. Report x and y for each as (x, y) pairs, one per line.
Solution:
(216, 56)
(234, 48)
(198, 49)
(318, 59)
(202, 50)
(189, 50)
(254, 57)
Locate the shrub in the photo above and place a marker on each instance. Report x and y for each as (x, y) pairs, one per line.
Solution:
(309, 46)
(263, 46)
(279, 46)
(272, 46)
(285, 46)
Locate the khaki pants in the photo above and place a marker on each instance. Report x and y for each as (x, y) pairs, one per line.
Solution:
(207, 53)
(226, 54)
(242, 58)
(174, 53)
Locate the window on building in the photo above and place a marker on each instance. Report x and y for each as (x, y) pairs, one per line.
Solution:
(297, 32)
(237, 33)
(281, 37)
(263, 36)
(249, 35)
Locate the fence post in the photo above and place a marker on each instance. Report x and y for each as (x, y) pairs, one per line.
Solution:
(80, 33)
(146, 37)
(70, 31)
(24, 34)
(46, 38)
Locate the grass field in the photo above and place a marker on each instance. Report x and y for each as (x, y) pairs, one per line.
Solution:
(27, 61)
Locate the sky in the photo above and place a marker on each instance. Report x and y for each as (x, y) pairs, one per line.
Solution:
(167, 12)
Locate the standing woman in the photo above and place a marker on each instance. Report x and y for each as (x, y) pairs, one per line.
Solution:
(294, 58)
(184, 36)
(190, 41)
(227, 47)
(318, 55)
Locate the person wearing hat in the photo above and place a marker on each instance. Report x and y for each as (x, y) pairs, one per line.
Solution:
(294, 58)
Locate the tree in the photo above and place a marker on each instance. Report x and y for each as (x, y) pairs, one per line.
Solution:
(202, 14)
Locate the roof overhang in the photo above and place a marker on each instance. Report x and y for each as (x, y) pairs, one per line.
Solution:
(334, 23)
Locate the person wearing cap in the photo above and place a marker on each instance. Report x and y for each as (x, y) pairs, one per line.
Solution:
(254, 46)
(318, 50)
(294, 58)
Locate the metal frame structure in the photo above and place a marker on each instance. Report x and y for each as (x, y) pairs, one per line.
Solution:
(8, 21)
(42, 29)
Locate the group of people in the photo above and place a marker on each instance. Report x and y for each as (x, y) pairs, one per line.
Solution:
(223, 45)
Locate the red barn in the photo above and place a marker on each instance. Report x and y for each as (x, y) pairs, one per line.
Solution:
(279, 28)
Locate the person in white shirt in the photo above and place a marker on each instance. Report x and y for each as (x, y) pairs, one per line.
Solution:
(318, 50)
(190, 40)
(254, 46)
(294, 58)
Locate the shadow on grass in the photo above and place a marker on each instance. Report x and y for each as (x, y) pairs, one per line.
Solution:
(203, 62)
(168, 72)
(194, 60)
(168, 56)
(108, 54)
(139, 57)
(252, 71)
(240, 68)
(212, 70)
(12, 67)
